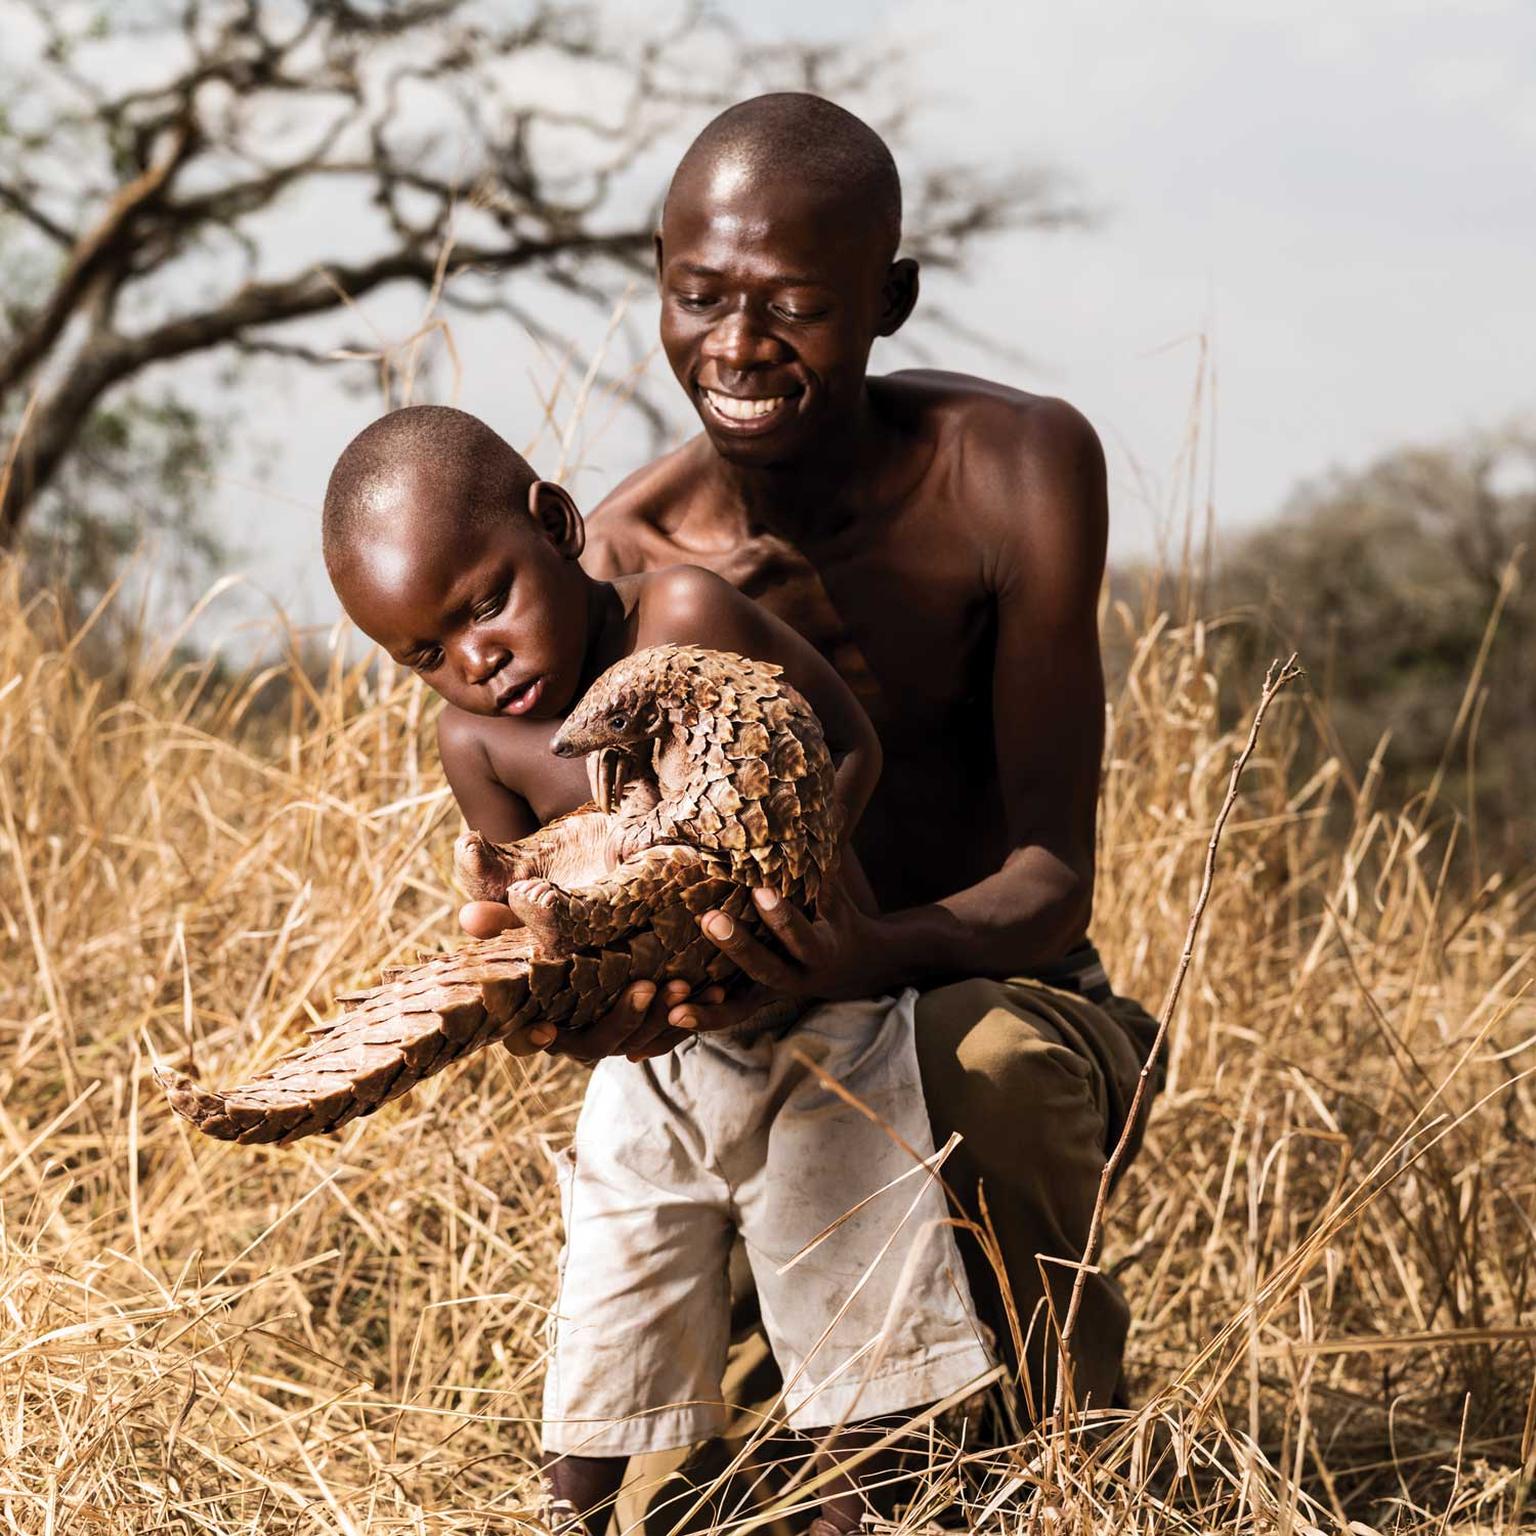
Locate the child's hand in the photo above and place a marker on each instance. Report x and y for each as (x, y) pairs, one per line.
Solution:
(487, 919)
(484, 920)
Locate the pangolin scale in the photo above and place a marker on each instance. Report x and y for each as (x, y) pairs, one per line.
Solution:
(710, 776)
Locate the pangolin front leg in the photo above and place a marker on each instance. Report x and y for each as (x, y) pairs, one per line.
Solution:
(641, 892)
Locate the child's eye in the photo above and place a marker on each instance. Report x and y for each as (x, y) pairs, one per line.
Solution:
(427, 661)
(491, 606)
(799, 316)
(693, 300)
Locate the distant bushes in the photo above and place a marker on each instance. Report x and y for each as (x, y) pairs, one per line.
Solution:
(1387, 581)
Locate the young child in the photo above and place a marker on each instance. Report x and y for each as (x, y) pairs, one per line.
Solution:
(448, 551)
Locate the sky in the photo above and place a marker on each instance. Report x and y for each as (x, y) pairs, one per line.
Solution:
(1325, 211)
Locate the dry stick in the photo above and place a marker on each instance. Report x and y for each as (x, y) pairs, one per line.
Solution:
(1276, 678)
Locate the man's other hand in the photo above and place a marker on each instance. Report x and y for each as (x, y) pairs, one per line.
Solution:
(844, 953)
(637, 1026)
(487, 919)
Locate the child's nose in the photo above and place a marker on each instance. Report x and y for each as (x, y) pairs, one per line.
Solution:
(482, 662)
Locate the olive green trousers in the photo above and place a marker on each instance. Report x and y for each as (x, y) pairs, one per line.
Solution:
(1038, 1081)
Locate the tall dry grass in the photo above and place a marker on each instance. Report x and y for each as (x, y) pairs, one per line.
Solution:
(1327, 1239)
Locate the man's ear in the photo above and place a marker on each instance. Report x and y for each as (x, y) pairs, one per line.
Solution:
(661, 260)
(899, 297)
(557, 517)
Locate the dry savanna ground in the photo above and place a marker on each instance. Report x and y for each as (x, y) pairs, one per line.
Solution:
(1327, 1238)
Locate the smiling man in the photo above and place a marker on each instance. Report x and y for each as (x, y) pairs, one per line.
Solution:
(941, 540)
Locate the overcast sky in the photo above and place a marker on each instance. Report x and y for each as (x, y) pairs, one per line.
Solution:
(1339, 196)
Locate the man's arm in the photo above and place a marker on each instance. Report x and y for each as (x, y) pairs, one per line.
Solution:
(1048, 534)
(1045, 527)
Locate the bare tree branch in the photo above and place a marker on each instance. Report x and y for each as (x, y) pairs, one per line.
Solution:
(19, 202)
(402, 118)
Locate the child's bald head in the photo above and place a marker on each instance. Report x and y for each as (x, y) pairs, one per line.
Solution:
(792, 136)
(450, 553)
(423, 461)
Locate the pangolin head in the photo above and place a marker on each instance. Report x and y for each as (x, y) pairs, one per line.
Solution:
(619, 710)
(615, 721)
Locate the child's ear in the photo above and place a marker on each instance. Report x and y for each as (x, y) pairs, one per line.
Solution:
(899, 297)
(558, 518)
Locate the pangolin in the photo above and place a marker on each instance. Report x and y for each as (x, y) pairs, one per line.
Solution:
(710, 776)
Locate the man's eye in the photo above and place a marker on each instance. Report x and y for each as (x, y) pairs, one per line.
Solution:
(491, 606)
(427, 661)
(693, 300)
(799, 316)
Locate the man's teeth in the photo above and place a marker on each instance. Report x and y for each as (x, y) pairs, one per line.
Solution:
(734, 409)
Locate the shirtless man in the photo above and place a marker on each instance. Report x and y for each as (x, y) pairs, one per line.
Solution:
(941, 540)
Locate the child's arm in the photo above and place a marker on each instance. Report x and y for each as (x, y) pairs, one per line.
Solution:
(489, 807)
(689, 606)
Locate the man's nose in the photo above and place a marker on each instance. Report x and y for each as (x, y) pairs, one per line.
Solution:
(738, 342)
(482, 660)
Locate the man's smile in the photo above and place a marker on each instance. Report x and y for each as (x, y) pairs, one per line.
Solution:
(745, 412)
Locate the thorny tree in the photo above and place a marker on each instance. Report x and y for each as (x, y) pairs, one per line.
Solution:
(159, 168)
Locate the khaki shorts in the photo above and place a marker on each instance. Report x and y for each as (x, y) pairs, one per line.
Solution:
(673, 1157)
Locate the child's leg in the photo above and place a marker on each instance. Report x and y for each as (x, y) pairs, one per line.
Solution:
(874, 1485)
(864, 1298)
(639, 1324)
(583, 1489)
(842, 1502)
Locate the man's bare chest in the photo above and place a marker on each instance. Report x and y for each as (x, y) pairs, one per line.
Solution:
(908, 623)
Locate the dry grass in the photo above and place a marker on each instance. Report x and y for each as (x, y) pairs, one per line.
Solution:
(1328, 1238)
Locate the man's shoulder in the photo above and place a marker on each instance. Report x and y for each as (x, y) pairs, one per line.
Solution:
(626, 530)
(1026, 471)
(996, 421)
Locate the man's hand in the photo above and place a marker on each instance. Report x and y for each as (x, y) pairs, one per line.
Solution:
(843, 953)
(636, 1026)
(487, 919)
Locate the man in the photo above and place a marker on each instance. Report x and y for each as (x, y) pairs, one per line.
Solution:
(941, 540)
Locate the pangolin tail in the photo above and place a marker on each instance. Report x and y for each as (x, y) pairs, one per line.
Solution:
(389, 1039)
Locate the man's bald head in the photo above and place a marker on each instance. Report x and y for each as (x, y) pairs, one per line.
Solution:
(418, 458)
(813, 142)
